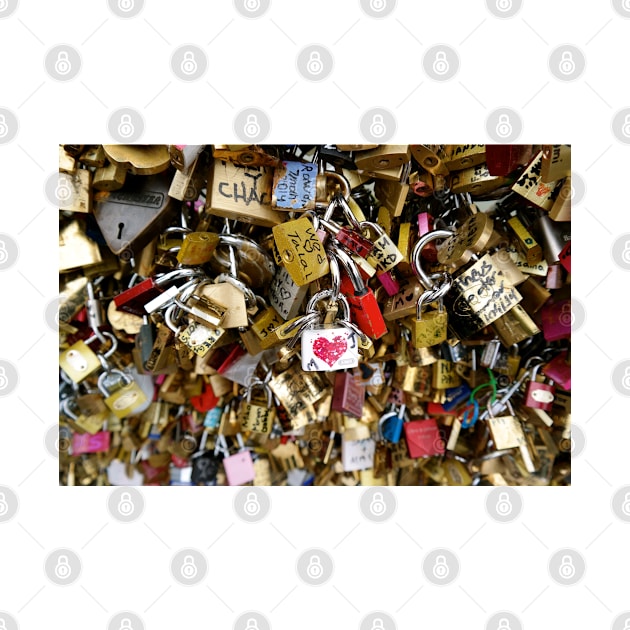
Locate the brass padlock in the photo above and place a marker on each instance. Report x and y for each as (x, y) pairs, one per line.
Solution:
(126, 400)
(242, 193)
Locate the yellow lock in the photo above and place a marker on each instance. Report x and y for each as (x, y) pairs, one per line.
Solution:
(301, 251)
(125, 400)
(79, 361)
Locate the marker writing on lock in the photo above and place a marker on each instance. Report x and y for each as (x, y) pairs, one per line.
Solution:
(247, 194)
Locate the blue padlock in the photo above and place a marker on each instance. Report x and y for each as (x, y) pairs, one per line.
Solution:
(456, 396)
(213, 418)
(391, 425)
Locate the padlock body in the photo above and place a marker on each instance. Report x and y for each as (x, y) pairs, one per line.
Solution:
(79, 361)
(328, 348)
(197, 248)
(348, 395)
(301, 251)
(364, 310)
(126, 400)
(431, 330)
(539, 396)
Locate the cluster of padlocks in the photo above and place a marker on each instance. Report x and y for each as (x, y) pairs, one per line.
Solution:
(315, 314)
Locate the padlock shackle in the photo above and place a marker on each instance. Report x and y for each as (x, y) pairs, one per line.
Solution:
(351, 268)
(101, 381)
(417, 252)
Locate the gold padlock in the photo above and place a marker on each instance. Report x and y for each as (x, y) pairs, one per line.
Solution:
(124, 401)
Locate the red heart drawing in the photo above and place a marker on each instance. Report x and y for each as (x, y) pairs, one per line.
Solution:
(329, 351)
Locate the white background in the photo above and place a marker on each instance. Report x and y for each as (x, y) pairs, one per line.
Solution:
(252, 63)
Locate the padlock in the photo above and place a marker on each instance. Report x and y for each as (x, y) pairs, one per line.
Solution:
(125, 400)
(559, 370)
(383, 157)
(423, 438)
(294, 186)
(131, 216)
(242, 193)
(385, 252)
(79, 361)
(300, 250)
(257, 415)
(364, 310)
(428, 329)
(538, 395)
(556, 319)
(348, 395)
(353, 240)
(460, 156)
(264, 327)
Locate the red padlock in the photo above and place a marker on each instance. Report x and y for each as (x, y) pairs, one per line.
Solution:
(364, 309)
(503, 159)
(423, 438)
(425, 225)
(559, 369)
(348, 395)
(351, 239)
(539, 395)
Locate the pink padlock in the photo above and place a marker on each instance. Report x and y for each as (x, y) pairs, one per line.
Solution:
(559, 370)
(556, 320)
(86, 443)
(239, 468)
(390, 284)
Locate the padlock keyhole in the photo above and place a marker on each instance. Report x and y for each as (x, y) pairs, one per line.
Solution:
(120, 229)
